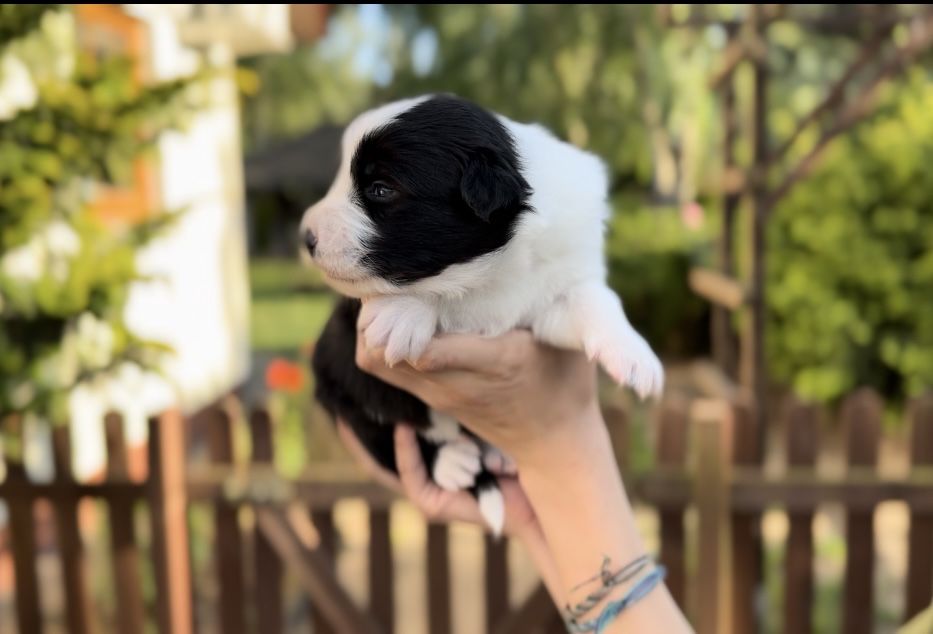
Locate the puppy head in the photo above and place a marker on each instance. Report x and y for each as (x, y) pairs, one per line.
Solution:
(423, 185)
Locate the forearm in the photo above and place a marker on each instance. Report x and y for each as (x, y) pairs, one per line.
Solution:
(585, 516)
(543, 560)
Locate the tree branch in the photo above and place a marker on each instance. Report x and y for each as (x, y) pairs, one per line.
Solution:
(868, 53)
(741, 47)
(851, 24)
(920, 38)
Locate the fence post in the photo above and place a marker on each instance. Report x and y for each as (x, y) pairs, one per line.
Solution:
(381, 573)
(130, 608)
(228, 542)
(920, 551)
(672, 454)
(862, 414)
(323, 521)
(802, 446)
(746, 534)
(267, 564)
(438, 548)
(496, 584)
(713, 429)
(169, 512)
(69, 537)
(22, 530)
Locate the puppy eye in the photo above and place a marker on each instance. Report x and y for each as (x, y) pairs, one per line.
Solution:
(380, 191)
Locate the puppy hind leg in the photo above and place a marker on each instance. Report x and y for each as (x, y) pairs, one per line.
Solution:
(490, 500)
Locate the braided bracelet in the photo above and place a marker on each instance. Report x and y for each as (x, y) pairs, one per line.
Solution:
(640, 590)
(609, 581)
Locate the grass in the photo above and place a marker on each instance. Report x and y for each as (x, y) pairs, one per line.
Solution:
(289, 305)
(284, 324)
(279, 275)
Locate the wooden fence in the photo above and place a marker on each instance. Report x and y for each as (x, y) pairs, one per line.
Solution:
(705, 459)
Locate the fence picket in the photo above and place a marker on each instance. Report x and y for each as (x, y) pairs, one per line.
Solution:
(802, 441)
(267, 565)
(228, 539)
(496, 585)
(69, 537)
(20, 505)
(130, 608)
(920, 551)
(713, 433)
(323, 521)
(862, 414)
(381, 572)
(168, 504)
(746, 534)
(438, 556)
(672, 454)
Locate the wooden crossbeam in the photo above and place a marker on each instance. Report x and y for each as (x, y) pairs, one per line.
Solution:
(314, 573)
(717, 288)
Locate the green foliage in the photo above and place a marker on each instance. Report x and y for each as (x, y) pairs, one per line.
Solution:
(572, 70)
(650, 254)
(17, 20)
(88, 127)
(851, 264)
(292, 93)
(64, 275)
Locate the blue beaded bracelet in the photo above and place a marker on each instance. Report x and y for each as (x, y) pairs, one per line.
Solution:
(640, 590)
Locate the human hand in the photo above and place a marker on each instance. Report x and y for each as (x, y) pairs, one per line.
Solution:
(526, 398)
(434, 502)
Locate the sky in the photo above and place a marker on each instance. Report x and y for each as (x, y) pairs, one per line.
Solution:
(366, 32)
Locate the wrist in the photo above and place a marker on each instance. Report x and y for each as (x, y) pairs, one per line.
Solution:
(566, 444)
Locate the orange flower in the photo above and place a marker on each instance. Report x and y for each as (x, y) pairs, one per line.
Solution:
(284, 375)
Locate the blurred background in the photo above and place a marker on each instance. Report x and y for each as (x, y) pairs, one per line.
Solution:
(772, 236)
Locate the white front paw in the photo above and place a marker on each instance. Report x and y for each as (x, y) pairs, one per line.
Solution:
(457, 464)
(404, 326)
(629, 360)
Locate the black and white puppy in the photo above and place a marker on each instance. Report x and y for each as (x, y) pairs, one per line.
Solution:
(445, 218)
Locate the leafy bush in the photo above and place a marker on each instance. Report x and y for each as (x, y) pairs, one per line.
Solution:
(64, 274)
(650, 253)
(850, 269)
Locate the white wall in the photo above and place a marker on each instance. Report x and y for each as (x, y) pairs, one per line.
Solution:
(200, 304)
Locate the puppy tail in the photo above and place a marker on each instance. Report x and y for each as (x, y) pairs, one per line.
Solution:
(490, 500)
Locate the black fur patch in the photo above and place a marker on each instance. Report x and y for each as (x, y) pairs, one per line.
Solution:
(369, 406)
(443, 185)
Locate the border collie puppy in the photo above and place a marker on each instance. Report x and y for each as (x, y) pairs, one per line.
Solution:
(444, 218)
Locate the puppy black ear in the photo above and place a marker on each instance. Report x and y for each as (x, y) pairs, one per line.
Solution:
(489, 185)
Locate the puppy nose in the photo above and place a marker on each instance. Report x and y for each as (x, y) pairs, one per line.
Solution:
(310, 242)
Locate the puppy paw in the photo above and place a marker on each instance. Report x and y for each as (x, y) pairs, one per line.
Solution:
(498, 462)
(456, 465)
(629, 360)
(403, 325)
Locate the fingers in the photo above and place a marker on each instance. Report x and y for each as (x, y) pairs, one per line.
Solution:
(429, 498)
(470, 352)
(373, 361)
(411, 469)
